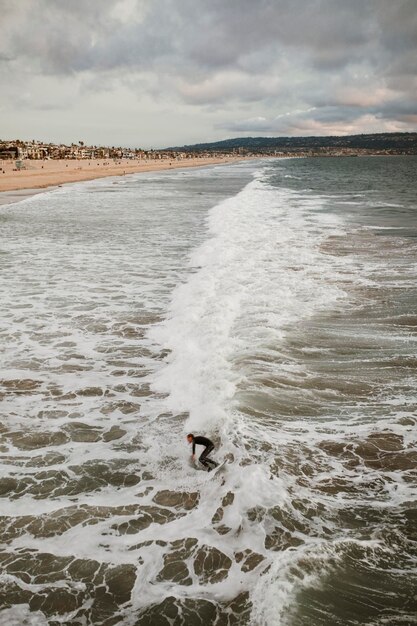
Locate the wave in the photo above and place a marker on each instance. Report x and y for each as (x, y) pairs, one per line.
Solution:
(259, 270)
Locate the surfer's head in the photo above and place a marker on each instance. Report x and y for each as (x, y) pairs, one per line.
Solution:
(190, 437)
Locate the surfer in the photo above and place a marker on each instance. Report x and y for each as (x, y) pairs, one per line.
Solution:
(208, 448)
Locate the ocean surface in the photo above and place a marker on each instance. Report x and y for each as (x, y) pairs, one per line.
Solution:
(269, 305)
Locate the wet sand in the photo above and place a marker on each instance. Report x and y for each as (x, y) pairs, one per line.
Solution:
(37, 175)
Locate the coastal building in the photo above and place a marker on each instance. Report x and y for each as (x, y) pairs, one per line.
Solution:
(355, 145)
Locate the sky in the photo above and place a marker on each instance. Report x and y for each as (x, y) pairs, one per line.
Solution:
(158, 73)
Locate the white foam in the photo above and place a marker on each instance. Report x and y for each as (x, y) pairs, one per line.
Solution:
(21, 615)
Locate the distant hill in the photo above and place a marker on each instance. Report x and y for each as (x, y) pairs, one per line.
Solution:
(382, 141)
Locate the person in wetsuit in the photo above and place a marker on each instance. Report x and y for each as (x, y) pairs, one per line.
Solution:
(208, 447)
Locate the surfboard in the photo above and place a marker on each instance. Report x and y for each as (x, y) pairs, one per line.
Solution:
(201, 468)
(218, 468)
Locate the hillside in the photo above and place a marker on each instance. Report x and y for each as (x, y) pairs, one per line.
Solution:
(393, 142)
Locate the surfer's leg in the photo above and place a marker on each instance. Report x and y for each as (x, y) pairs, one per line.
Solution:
(209, 463)
(202, 457)
(212, 463)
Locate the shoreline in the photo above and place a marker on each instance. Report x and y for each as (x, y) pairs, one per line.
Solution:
(43, 175)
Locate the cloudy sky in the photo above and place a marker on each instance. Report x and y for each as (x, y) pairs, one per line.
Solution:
(155, 73)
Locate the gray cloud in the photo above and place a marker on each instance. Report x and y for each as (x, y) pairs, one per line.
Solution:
(207, 36)
(239, 64)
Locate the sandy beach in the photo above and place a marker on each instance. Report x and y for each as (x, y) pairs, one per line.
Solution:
(37, 175)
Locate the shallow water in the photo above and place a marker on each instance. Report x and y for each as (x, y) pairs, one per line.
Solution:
(269, 305)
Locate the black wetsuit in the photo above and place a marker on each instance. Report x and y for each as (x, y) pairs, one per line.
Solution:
(208, 447)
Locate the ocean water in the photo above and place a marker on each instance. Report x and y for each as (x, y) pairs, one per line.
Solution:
(269, 305)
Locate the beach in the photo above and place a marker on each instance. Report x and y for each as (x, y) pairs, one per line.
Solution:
(39, 174)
